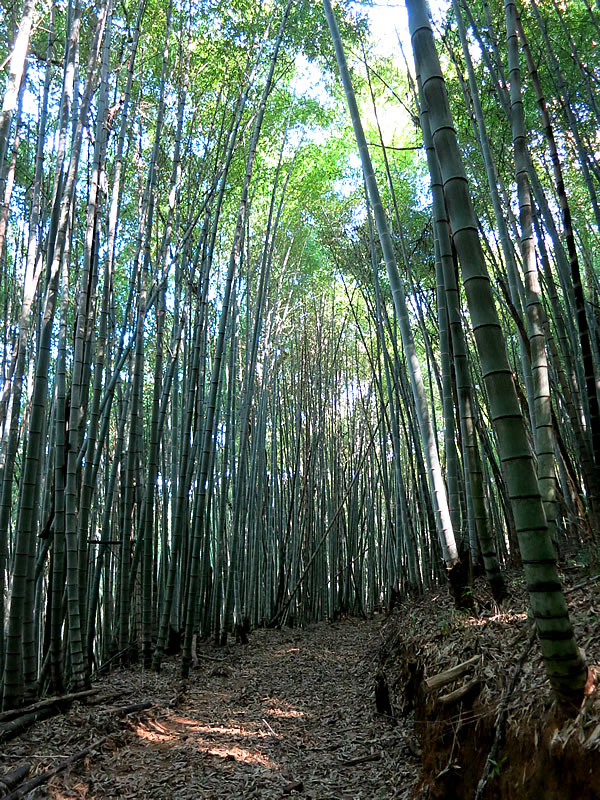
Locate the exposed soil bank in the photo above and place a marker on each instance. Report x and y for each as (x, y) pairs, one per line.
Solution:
(492, 732)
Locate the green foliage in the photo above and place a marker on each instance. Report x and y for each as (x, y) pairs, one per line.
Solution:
(320, 359)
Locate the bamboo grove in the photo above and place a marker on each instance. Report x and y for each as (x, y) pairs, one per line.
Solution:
(247, 381)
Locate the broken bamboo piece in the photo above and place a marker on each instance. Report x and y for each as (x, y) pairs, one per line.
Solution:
(40, 780)
(459, 694)
(13, 713)
(15, 721)
(451, 674)
(13, 778)
(8, 730)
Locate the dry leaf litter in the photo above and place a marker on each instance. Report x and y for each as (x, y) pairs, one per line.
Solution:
(290, 714)
(293, 714)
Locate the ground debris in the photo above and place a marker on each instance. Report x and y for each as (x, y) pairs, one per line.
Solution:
(292, 713)
(9, 781)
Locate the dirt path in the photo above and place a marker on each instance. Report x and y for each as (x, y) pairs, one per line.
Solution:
(291, 714)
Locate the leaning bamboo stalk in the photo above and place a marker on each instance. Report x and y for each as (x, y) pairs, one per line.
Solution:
(438, 490)
(564, 663)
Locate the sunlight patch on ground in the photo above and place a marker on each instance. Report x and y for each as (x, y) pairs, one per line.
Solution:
(281, 653)
(205, 735)
(505, 617)
(281, 709)
(241, 754)
(195, 727)
(285, 714)
(155, 734)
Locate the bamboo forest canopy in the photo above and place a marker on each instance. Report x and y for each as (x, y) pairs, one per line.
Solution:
(292, 324)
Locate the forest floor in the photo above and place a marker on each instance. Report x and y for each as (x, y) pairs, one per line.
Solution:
(293, 714)
(290, 714)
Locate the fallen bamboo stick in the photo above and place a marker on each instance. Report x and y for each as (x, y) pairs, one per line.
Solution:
(8, 730)
(13, 713)
(460, 693)
(451, 674)
(11, 779)
(121, 711)
(40, 780)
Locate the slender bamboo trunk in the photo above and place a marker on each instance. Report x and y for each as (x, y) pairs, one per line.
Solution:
(438, 490)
